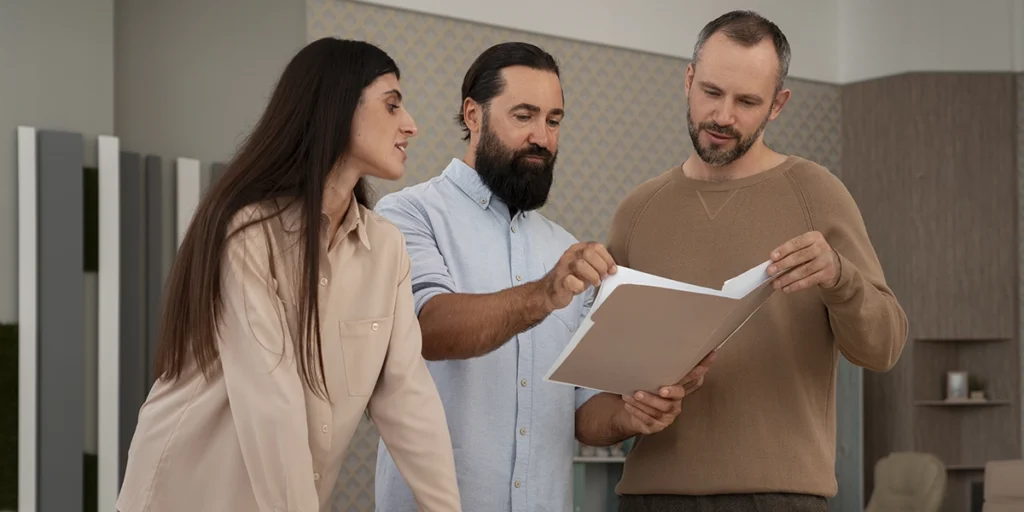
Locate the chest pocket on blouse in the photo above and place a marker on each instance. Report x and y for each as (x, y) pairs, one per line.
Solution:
(364, 343)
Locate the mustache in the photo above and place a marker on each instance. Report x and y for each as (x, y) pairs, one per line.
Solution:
(533, 150)
(728, 131)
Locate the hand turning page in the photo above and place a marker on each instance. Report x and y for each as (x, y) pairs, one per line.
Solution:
(645, 331)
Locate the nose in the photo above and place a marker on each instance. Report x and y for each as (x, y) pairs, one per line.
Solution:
(723, 116)
(409, 128)
(540, 136)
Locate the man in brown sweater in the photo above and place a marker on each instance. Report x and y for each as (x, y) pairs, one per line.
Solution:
(761, 434)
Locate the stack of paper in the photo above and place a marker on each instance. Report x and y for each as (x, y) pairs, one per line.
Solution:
(644, 331)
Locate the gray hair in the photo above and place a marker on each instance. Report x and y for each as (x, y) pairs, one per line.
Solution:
(748, 28)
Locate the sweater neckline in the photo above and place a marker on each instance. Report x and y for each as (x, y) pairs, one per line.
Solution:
(717, 186)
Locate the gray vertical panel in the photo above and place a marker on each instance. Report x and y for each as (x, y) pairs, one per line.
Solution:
(61, 321)
(849, 439)
(154, 208)
(216, 171)
(134, 336)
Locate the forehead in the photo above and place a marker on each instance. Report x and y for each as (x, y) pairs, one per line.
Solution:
(533, 86)
(383, 84)
(732, 66)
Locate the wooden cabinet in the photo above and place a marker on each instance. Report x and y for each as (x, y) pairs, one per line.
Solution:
(962, 146)
(932, 161)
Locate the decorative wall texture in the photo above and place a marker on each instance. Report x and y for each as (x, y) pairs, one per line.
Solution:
(625, 123)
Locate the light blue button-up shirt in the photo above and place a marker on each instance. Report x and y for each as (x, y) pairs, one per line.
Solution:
(512, 433)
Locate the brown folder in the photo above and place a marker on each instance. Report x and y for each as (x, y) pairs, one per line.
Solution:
(645, 332)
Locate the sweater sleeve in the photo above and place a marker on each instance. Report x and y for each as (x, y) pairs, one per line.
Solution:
(870, 326)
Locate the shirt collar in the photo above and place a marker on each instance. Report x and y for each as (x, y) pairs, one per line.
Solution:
(467, 179)
(353, 221)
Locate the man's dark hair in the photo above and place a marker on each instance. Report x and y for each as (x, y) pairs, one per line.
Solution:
(747, 28)
(483, 80)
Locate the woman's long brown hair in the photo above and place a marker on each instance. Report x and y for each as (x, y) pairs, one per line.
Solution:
(302, 134)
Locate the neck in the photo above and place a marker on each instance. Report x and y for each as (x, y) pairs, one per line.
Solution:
(755, 161)
(338, 194)
(470, 156)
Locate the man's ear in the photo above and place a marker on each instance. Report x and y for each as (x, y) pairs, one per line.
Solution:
(689, 78)
(472, 115)
(780, 101)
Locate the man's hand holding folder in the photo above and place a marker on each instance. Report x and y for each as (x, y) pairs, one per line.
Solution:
(582, 265)
(649, 414)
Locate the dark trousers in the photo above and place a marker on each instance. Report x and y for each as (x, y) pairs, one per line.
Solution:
(768, 502)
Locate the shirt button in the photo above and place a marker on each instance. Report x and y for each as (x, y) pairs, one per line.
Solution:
(513, 229)
(375, 326)
(518, 483)
(522, 383)
(323, 281)
(522, 431)
(316, 477)
(519, 277)
(324, 429)
(483, 201)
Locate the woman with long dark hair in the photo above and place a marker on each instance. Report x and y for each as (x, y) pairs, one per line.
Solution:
(288, 312)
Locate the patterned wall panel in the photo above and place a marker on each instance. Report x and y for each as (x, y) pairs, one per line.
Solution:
(625, 123)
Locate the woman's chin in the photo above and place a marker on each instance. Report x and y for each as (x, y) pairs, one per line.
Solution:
(392, 173)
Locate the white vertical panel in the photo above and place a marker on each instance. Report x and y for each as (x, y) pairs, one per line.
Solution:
(189, 190)
(109, 357)
(28, 297)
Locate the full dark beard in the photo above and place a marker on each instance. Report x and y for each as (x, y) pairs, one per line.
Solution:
(522, 184)
(714, 155)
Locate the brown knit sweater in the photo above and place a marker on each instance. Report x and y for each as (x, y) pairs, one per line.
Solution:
(764, 420)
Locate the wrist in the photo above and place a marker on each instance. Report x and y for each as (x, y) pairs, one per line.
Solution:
(538, 303)
(839, 270)
(621, 424)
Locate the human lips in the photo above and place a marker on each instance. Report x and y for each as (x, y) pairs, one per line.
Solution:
(402, 148)
(718, 138)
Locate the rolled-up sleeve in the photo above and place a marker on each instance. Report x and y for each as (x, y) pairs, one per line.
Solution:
(265, 393)
(430, 275)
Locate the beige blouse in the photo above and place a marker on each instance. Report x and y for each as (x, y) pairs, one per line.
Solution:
(254, 437)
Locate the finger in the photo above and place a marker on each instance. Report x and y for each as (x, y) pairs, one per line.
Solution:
(637, 412)
(573, 284)
(699, 371)
(644, 406)
(794, 259)
(646, 422)
(585, 272)
(693, 385)
(659, 404)
(696, 373)
(792, 245)
(807, 282)
(602, 252)
(801, 272)
(590, 257)
(676, 392)
(709, 359)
